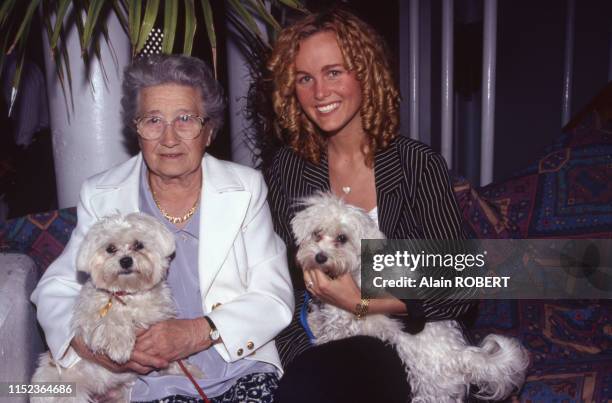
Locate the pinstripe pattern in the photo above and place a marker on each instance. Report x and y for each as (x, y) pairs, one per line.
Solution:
(415, 201)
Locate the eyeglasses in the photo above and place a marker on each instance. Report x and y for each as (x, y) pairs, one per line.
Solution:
(186, 127)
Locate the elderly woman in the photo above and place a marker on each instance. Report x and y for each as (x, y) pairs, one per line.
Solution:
(230, 268)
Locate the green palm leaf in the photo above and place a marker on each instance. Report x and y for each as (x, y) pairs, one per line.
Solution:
(210, 31)
(59, 61)
(3, 51)
(78, 19)
(294, 4)
(170, 21)
(93, 12)
(62, 8)
(24, 29)
(134, 11)
(258, 6)
(148, 21)
(190, 26)
(119, 8)
(246, 16)
(6, 9)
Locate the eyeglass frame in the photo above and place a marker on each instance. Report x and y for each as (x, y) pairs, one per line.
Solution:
(203, 120)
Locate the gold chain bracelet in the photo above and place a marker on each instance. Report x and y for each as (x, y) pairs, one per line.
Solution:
(361, 309)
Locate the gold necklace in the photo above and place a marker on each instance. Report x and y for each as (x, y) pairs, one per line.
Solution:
(173, 219)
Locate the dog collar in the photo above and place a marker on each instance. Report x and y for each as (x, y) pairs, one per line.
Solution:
(112, 295)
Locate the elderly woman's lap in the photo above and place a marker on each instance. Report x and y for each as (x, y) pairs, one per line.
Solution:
(252, 388)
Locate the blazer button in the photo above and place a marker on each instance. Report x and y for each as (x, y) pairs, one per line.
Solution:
(216, 305)
(239, 352)
(250, 345)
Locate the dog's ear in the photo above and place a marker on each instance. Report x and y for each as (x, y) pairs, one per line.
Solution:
(90, 245)
(314, 207)
(363, 226)
(300, 225)
(163, 238)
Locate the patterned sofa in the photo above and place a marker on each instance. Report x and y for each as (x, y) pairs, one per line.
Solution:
(566, 194)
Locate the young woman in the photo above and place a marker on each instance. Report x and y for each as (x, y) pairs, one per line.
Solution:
(337, 115)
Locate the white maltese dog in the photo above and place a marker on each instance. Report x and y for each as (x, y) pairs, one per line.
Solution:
(439, 362)
(127, 259)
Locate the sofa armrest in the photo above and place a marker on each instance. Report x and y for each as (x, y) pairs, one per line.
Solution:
(20, 337)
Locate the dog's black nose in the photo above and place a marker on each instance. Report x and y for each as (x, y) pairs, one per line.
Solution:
(321, 258)
(126, 262)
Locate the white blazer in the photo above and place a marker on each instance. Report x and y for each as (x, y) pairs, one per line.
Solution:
(243, 271)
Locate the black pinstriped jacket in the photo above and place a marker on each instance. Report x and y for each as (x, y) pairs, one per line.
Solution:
(414, 199)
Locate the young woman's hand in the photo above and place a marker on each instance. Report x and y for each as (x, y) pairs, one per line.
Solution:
(341, 291)
(344, 293)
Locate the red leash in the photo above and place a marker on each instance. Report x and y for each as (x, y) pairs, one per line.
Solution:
(193, 381)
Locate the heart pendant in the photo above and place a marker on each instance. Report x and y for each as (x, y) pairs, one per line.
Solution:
(346, 189)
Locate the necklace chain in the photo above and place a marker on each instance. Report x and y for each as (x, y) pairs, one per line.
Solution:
(174, 219)
(171, 218)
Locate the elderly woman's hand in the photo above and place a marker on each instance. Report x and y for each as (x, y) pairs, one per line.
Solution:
(341, 291)
(174, 339)
(139, 362)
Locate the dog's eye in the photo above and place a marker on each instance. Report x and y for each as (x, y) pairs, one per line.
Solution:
(317, 235)
(111, 249)
(138, 245)
(341, 238)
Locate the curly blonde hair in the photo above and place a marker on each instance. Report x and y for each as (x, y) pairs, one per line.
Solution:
(364, 54)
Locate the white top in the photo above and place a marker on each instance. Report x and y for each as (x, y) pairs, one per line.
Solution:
(374, 215)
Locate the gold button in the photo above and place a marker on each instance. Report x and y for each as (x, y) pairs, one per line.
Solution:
(239, 352)
(250, 345)
(216, 305)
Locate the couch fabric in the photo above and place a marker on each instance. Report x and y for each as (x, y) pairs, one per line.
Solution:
(20, 340)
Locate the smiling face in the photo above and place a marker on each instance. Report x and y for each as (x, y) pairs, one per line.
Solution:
(328, 93)
(170, 156)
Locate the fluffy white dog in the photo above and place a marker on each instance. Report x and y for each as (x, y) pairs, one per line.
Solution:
(439, 363)
(127, 259)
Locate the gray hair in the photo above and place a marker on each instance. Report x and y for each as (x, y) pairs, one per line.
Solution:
(154, 70)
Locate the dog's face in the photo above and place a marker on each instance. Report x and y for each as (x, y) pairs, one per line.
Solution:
(329, 234)
(126, 253)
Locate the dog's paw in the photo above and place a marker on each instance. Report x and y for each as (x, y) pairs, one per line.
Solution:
(119, 354)
(120, 350)
(117, 342)
(315, 320)
(314, 326)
